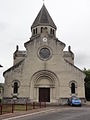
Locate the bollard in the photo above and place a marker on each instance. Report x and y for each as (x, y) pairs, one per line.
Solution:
(1, 109)
(45, 104)
(33, 105)
(26, 105)
(12, 107)
(40, 104)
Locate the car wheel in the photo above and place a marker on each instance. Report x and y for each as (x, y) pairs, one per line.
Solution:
(80, 105)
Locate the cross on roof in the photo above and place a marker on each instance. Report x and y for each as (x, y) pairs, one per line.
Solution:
(43, 1)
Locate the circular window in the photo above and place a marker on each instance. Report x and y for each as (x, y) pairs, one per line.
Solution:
(44, 53)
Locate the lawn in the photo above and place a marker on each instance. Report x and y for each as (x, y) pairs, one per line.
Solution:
(8, 108)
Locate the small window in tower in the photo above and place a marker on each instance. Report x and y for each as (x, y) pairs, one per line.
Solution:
(41, 29)
(33, 31)
(73, 88)
(51, 31)
(36, 30)
(45, 28)
(15, 89)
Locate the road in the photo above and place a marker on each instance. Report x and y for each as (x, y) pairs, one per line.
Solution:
(69, 113)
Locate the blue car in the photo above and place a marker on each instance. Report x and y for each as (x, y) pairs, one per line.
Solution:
(74, 101)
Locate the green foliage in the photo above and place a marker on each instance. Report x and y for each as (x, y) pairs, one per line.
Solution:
(87, 83)
(0, 101)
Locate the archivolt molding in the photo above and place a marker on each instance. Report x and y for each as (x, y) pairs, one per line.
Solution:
(73, 81)
(51, 81)
(17, 82)
(44, 74)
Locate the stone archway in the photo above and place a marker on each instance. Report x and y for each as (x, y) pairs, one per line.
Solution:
(44, 84)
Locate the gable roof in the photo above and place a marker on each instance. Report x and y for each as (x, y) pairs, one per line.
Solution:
(43, 18)
(13, 67)
(75, 67)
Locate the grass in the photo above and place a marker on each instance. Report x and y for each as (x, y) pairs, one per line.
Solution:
(20, 107)
(7, 108)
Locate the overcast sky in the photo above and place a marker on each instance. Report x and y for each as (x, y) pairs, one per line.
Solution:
(72, 18)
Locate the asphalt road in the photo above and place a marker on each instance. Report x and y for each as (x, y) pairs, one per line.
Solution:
(69, 113)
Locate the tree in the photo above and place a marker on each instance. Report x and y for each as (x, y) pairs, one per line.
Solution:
(87, 84)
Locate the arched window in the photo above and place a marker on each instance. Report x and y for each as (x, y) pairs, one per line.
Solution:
(51, 31)
(15, 89)
(73, 88)
(41, 29)
(36, 30)
(33, 31)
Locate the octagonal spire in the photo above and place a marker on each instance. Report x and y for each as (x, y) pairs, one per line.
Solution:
(43, 19)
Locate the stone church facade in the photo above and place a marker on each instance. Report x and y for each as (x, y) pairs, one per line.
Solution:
(44, 72)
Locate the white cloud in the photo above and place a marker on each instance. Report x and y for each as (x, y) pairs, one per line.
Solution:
(72, 18)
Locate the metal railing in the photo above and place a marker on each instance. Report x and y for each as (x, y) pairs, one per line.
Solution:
(10, 108)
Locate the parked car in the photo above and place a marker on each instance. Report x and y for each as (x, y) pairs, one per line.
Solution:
(74, 101)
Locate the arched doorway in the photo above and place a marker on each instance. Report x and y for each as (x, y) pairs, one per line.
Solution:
(45, 84)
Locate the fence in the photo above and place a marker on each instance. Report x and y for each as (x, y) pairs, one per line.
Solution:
(10, 108)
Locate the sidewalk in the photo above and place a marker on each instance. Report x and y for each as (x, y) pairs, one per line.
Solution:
(88, 103)
(18, 113)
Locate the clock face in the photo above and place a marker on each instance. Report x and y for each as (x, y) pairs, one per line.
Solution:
(44, 39)
(44, 53)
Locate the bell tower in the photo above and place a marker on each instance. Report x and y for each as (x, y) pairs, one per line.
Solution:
(43, 22)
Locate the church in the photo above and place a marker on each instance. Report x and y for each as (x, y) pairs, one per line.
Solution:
(44, 72)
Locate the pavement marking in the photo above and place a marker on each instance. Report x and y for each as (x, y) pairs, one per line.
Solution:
(21, 116)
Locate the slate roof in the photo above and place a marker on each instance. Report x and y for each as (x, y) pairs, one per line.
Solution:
(43, 18)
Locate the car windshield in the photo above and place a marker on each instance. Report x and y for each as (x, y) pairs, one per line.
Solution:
(75, 98)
